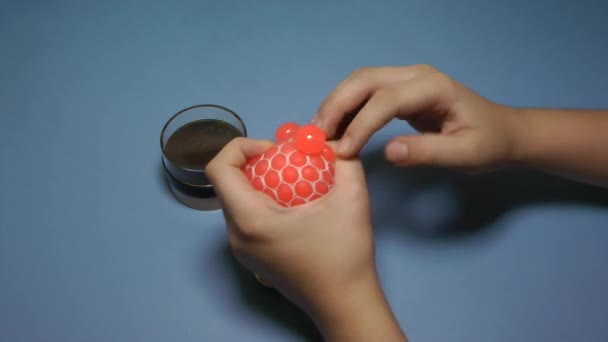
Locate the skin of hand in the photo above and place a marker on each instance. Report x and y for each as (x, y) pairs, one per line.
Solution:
(461, 129)
(319, 255)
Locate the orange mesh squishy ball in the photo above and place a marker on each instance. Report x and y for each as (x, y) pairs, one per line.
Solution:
(299, 169)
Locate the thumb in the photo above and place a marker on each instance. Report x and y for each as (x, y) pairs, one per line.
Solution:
(225, 173)
(431, 150)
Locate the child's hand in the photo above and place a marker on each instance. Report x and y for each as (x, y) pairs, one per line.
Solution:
(320, 255)
(461, 129)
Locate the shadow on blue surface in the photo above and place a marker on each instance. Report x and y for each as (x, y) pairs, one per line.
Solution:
(269, 302)
(437, 204)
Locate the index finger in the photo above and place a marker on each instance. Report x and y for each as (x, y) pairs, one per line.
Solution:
(421, 95)
(352, 93)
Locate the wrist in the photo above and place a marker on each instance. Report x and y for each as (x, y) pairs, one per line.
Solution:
(564, 142)
(520, 128)
(357, 312)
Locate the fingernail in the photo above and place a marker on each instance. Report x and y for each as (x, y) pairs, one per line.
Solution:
(344, 145)
(397, 152)
(317, 122)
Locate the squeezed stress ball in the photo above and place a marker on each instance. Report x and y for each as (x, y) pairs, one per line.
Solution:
(298, 169)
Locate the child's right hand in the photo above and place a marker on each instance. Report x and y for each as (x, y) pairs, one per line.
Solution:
(461, 129)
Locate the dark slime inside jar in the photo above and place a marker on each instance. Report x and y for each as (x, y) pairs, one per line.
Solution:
(190, 148)
(193, 145)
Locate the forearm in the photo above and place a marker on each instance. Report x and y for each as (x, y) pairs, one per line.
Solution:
(358, 313)
(571, 143)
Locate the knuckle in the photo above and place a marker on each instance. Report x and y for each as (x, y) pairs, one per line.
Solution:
(442, 79)
(444, 85)
(426, 68)
(236, 142)
(361, 72)
(232, 146)
(210, 169)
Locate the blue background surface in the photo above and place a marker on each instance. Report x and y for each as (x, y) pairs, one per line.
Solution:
(94, 248)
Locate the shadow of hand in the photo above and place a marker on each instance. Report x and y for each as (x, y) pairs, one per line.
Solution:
(435, 203)
(269, 302)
